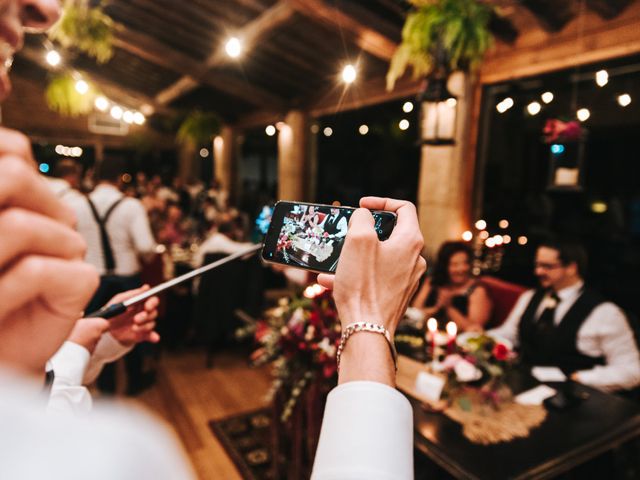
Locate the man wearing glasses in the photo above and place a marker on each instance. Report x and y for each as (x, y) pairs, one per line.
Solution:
(565, 324)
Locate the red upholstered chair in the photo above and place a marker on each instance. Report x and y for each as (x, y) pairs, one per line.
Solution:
(503, 295)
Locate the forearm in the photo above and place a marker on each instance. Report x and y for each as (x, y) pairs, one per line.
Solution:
(463, 322)
(367, 356)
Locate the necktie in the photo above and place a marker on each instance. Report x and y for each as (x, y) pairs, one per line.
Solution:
(548, 314)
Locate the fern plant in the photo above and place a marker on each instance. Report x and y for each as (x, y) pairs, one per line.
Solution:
(62, 97)
(86, 28)
(198, 128)
(451, 34)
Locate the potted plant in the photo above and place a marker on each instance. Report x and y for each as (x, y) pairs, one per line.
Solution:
(444, 35)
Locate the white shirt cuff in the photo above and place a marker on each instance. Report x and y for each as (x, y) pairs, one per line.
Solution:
(69, 364)
(367, 433)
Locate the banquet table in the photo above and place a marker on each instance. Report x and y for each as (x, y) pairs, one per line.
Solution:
(565, 440)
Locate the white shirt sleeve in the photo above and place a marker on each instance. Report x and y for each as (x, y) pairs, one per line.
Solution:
(67, 393)
(107, 350)
(343, 226)
(606, 332)
(509, 329)
(141, 229)
(367, 433)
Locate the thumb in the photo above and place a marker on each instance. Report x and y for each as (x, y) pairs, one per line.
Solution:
(326, 280)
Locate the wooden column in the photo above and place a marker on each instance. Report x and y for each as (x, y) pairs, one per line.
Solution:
(443, 203)
(188, 165)
(293, 159)
(225, 154)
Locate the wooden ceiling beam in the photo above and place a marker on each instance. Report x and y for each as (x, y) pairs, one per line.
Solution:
(368, 39)
(608, 9)
(503, 29)
(553, 15)
(268, 21)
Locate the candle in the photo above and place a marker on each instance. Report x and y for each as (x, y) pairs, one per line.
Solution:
(452, 331)
(432, 328)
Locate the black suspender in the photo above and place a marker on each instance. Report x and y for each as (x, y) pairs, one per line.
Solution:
(109, 259)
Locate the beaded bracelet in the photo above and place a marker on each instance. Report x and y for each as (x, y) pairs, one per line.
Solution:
(366, 327)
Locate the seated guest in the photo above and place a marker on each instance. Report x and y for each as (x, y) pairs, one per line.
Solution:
(452, 293)
(172, 231)
(566, 324)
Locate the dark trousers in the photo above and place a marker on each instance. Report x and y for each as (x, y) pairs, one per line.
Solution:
(111, 285)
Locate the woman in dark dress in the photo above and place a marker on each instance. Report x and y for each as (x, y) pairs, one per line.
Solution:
(452, 293)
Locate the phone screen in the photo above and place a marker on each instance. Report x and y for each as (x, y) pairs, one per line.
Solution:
(311, 236)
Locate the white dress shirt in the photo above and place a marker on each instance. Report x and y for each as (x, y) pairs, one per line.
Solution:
(605, 333)
(111, 443)
(128, 228)
(218, 243)
(342, 226)
(63, 189)
(367, 434)
(73, 368)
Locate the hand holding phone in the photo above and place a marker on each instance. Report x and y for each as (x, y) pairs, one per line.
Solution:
(311, 236)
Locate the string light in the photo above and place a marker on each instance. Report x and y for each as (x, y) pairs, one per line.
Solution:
(139, 118)
(349, 74)
(204, 153)
(583, 114)
(68, 151)
(82, 87)
(364, 129)
(328, 131)
(483, 234)
(116, 112)
(128, 117)
(506, 239)
(233, 47)
(270, 130)
(624, 99)
(467, 236)
(547, 97)
(101, 103)
(602, 78)
(503, 223)
(53, 58)
(523, 240)
(404, 124)
(407, 107)
(505, 105)
(534, 108)
(481, 224)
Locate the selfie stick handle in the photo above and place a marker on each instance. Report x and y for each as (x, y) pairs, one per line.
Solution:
(118, 308)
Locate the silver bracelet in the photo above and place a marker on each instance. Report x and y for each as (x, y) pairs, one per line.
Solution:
(366, 327)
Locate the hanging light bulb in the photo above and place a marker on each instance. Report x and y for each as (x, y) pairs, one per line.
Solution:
(270, 130)
(534, 108)
(364, 129)
(404, 124)
(602, 78)
(101, 103)
(583, 114)
(139, 118)
(233, 47)
(53, 58)
(349, 74)
(116, 112)
(82, 87)
(407, 107)
(624, 99)
(128, 117)
(547, 97)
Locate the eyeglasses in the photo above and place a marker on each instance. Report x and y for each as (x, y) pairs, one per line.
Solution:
(547, 266)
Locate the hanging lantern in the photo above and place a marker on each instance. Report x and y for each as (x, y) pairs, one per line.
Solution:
(439, 113)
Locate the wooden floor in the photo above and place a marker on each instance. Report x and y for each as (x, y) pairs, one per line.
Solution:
(188, 395)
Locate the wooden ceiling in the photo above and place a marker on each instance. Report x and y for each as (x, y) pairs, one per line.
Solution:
(171, 55)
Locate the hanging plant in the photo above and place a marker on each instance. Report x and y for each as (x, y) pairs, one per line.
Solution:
(86, 28)
(455, 31)
(62, 97)
(198, 128)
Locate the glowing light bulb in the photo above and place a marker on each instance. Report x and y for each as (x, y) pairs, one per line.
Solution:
(328, 131)
(139, 118)
(233, 47)
(53, 58)
(407, 107)
(364, 129)
(128, 117)
(547, 97)
(504, 223)
(270, 130)
(349, 74)
(116, 112)
(522, 240)
(404, 124)
(534, 108)
(624, 99)
(82, 87)
(467, 236)
(583, 114)
(204, 153)
(602, 78)
(101, 103)
(481, 224)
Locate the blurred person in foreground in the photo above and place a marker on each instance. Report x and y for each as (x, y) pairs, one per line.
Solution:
(566, 324)
(453, 293)
(44, 285)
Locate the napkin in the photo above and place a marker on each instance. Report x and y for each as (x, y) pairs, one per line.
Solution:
(535, 396)
(548, 374)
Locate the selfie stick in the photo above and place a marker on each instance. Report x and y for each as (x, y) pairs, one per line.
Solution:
(118, 308)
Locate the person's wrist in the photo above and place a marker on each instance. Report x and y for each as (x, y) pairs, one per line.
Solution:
(366, 356)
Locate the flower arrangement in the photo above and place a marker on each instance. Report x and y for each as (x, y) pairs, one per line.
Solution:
(478, 368)
(555, 130)
(299, 338)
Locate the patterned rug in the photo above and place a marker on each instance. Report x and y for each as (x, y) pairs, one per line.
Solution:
(247, 439)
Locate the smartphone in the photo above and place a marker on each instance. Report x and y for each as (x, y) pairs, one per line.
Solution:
(311, 236)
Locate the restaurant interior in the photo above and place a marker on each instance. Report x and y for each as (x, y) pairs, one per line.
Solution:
(509, 124)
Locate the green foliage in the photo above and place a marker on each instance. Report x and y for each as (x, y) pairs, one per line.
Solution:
(198, 128)
(62, 97)
(87, 29)
(458, 27)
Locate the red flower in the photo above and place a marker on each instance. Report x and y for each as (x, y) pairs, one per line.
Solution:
(500, 352)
